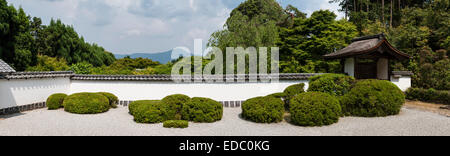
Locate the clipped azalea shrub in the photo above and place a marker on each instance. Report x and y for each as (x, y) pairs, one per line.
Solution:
(203, 110)
(132, 107)
(291, 91)
(175, 105)
(148, 111)
(373, 98)
(333, 84)
(176, 124)
(315, 109)
(113, 99)
(55, 101)
(267, 109)
(278, 95)
(86, 103)
(428, 95)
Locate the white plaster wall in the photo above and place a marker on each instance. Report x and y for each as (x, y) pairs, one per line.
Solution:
(152, 90)
(404, 82)
(349, 67)
(24, 92)
(28, 91)
(383, 69)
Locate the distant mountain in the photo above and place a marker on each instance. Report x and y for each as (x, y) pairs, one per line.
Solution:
(162, 57)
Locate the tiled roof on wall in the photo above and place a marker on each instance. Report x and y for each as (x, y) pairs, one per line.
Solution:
(34, 75)
(5, 68)
(301, 76)
(55, 74)
(224, 78)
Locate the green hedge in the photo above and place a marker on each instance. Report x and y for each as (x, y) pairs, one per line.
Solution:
(86, 103)
(291, 91)
(267, 109)
(315, 109)
(175, 104)
(176, 124)
(133, 106)
(148, 111)
(113, 99)
(202, 110)
(373, 98)
(278, 95)
(428, 95)
(55, 101)
(333, 84)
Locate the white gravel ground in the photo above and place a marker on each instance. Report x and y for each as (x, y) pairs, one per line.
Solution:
(117, 122)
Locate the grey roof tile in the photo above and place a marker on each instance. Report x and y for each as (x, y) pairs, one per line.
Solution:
(5, 68)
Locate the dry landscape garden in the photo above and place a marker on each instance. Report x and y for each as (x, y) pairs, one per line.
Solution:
(412, 36)
(334, 105)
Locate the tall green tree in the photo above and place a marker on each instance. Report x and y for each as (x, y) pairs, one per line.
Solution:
(15, 37)
(303, 45)
(253, 23)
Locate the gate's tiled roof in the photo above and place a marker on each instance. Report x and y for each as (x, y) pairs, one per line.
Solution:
(5, 68)
(367, 45)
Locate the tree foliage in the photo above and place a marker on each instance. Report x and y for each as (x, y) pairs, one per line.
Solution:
(252, 24)
(303, 45)
(82, 68)
(418, 28)
(46, 63)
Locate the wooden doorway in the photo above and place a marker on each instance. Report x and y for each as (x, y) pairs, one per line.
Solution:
(366, 68)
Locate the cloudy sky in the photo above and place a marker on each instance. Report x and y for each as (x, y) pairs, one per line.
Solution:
(136, 26)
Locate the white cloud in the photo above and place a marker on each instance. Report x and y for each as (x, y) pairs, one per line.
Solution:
(192, 5)
(332, 7)
(128, 26)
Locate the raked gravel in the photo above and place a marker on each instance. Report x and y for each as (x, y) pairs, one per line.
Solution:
(117, 122)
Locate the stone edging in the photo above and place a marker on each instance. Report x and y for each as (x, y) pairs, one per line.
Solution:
(23, 108)
(39, 105)
(226, 104)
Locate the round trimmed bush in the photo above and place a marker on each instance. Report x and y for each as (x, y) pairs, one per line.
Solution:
(55, 101)
(148, 111)
(175, 105)
(278, 95)
(315, 109)
(86, 103)
(291, 91)
(133, 106)
(333, 84)
(202, 110)
(413, 94)
(267, 109)
(373, 98)
(176, 124)
(113, 99)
